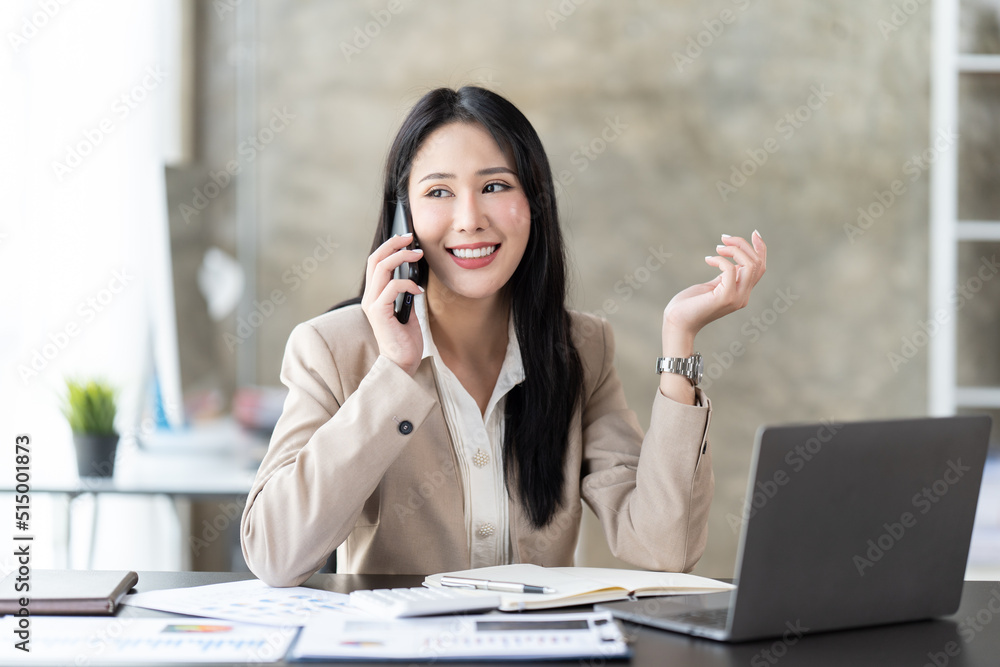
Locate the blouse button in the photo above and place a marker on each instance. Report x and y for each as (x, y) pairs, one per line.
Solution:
(481, 458)
(486, 530)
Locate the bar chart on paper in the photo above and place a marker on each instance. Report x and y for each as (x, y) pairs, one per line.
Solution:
(85, 639)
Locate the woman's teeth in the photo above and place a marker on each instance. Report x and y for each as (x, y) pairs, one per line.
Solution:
(473, 253)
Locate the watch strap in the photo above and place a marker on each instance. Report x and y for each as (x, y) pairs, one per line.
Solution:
(689, 367)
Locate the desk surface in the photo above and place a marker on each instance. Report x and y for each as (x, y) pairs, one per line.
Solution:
(972, 635)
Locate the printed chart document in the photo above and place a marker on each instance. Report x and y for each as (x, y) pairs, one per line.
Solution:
(250, 601)
(582, 585)
(487, 637)
(83, 640)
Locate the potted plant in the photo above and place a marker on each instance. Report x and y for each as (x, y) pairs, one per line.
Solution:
(90, 408)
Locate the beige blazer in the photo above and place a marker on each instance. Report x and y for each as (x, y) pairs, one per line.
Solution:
(361, 461)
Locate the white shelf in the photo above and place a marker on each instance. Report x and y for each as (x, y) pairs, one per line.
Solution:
(979, 230)
(978, 397)
(977, 63)
(948, 65)
(945, 72)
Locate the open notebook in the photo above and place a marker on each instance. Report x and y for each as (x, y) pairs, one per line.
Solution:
(582, 585)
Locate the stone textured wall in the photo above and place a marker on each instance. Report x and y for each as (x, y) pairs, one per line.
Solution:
(649, 112)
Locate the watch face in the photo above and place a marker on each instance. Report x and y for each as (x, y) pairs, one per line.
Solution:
(699, 368)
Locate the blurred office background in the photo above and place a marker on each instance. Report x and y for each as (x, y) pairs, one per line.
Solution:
(667, 124)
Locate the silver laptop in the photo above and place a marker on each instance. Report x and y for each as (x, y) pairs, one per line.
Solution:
(844, 525)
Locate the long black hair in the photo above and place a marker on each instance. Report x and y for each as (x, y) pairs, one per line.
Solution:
(538, 410)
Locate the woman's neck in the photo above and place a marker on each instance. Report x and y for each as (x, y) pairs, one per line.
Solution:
(468, 330)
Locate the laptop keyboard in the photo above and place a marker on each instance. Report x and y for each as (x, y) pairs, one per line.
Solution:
(712, 618)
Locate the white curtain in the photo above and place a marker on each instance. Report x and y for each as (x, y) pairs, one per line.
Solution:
(83, 244)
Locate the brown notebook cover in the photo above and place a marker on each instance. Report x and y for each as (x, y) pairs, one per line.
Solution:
(59, 592)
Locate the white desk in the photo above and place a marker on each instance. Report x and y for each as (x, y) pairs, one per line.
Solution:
(215, 462)
(984, 553)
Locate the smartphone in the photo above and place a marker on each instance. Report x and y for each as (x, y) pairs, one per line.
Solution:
(402, 224)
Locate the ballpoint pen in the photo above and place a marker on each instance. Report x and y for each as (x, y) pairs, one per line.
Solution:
(499, 586)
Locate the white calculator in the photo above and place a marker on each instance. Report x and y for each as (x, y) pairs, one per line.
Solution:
(491, 637)
(422, 601)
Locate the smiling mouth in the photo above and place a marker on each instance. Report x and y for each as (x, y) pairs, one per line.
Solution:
(473, 253)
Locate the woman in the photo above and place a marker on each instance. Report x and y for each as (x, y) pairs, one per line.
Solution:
(468, 436)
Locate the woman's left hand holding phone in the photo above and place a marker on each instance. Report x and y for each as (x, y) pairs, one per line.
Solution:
(401, 343)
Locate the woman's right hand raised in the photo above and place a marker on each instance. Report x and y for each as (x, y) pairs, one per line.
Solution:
(402, 343)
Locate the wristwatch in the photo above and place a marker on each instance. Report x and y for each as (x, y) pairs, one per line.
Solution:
(690, 367)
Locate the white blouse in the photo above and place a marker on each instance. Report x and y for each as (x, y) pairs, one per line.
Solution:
(478, 442)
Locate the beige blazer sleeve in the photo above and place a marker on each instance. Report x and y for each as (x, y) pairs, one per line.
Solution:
(653, 493)
(327, 455)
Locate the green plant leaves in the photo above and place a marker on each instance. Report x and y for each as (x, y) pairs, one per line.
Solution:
(90, 407)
